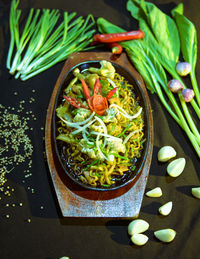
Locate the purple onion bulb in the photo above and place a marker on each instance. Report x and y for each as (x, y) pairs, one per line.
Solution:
(175, 85)
(183, 68)
(187, 94)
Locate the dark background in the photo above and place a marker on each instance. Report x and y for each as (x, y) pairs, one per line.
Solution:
(48, 235)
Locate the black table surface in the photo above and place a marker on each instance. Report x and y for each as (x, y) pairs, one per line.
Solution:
(31, 224)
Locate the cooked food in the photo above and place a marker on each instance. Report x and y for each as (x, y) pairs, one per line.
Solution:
(100, 125)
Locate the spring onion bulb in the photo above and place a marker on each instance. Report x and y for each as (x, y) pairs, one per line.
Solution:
(130, 135)
(183, 68)
(124, 113)
(175, 85)
(45, 40)
(187, 94)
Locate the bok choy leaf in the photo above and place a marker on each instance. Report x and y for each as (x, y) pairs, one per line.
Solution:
(188, 38)
(151, 61)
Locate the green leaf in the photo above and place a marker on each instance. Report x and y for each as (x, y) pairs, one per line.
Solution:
(188, 37)
(105, 26)
(162, 27)
(178, 9)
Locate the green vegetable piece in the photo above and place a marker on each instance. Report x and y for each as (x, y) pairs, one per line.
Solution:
(106, 69)
(157, 51)
(188, 38)
(163, 28)
(45, 40)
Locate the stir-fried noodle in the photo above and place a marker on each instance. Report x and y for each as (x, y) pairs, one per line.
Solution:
(102, 149)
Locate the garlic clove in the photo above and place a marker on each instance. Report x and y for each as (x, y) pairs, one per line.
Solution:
(165, 209)
(137, 226)
(139, 239)
(196, 192)
(176, 167)
(165, 235)
(156, 192)
(166, 153)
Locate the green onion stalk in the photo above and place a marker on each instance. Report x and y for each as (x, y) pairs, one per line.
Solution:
(46, 39)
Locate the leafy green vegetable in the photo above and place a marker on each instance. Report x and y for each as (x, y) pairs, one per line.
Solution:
(45, 40)
(158, 51)
(162, 31)
(188, 38)
(165, 47)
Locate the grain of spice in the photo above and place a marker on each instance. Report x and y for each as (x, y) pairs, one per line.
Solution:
(15, 144)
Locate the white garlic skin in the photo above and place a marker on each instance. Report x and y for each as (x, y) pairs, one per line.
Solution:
(137, 226)
(166, 153)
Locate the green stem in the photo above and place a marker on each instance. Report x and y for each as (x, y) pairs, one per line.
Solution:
(189, 118)
(193, 102)
(181, 121)
(195, 86)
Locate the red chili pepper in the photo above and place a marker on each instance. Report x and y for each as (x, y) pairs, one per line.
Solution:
(111, 93)
(97, 87)
(116, 37)
(74, 102)
(116, 48)
(85, 89)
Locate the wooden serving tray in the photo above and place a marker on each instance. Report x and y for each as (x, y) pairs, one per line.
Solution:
(75, 201)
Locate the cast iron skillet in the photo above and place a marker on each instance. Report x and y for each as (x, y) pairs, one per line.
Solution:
(60, 145)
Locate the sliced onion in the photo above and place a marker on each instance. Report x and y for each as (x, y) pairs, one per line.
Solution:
(111, 82)
(130, 135)
(98, 147)
(106, 135)
(85, 137)
(103, 126)
(124, 113)
(83, 128)
(76, 124)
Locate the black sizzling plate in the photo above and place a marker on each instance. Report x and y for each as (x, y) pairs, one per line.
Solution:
(60, 145)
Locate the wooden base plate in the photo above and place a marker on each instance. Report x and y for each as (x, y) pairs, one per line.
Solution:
(75, 201)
